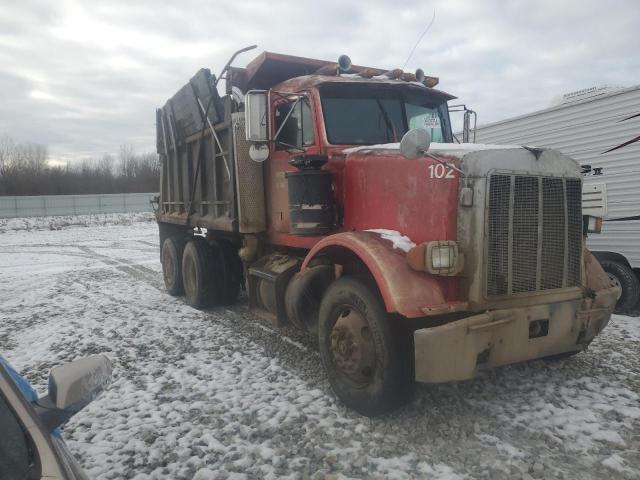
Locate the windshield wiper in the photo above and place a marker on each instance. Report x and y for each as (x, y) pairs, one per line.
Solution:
(387, 120)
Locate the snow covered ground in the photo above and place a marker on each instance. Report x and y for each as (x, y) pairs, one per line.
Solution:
(219, 394)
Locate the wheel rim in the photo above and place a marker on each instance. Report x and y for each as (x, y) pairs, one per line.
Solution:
(168, 267)
(615, 281)
(351, 346)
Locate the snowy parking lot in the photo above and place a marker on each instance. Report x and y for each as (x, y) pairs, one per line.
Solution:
(221, 394)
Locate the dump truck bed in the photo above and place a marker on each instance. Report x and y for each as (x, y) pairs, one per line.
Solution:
(201, 156)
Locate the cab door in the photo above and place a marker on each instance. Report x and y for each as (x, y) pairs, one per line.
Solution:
(293, 133)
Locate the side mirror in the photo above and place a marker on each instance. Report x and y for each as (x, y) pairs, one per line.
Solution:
(255, 116)
(415, 143)
(72, 387)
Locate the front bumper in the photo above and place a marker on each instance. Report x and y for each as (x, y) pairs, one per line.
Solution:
(456, 350)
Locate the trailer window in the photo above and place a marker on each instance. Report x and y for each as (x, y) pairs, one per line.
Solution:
(298, 128)
(355, 115)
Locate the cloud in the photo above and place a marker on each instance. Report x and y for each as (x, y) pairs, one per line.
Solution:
(84, 78)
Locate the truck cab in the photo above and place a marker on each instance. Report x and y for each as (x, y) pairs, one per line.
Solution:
(335, 195)
(324, 118)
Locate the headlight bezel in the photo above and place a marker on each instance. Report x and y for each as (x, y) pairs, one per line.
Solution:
(438, 257)
(442, 257)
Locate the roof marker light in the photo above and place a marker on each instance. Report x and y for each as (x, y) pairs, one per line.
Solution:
(394, 74)
(431, 81)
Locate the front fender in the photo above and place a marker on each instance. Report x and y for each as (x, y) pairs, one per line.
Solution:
(404, 290)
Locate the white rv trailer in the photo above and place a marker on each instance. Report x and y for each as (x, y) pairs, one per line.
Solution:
(584, 125)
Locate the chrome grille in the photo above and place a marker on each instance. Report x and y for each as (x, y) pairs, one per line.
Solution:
(534, 234)
(498, 258)
(574, 230)
(553, 237)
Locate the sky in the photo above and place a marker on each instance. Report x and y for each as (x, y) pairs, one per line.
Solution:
(84, 77)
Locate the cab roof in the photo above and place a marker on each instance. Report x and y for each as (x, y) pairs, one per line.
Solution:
(310, 81)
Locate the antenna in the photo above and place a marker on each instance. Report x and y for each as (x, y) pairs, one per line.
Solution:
(420, 39)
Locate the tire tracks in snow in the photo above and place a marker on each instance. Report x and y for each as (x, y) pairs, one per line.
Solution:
(137, 271)
(538, 418)
(276, 341)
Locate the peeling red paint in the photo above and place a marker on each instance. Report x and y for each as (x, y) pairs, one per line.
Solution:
(403, 290)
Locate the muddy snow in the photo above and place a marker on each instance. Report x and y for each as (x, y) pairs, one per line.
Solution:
(220, 394)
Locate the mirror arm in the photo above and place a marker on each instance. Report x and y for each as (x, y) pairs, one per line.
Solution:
(290, 146)
(51, 416)
(444, 162)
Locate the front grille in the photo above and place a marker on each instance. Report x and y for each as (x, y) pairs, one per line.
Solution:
(534, 234)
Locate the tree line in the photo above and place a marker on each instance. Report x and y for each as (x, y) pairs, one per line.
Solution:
(25, 170)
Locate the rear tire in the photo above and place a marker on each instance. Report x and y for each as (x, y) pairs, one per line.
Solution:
(623, 276)
(198, 273)
(359, 349)
(171, 257)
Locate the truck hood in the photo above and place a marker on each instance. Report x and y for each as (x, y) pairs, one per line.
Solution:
(476, 160)
(449, 149)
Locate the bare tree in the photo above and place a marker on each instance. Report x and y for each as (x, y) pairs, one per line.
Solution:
(7, 147)
(106, 164)
(24, 171)
(127, 160)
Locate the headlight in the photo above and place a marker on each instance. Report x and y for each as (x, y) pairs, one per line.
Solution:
(440, 257)
(443, 256)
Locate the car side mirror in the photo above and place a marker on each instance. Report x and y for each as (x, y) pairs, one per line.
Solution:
(256, 121)
(415, 143)
(255, 116)
(72, 387)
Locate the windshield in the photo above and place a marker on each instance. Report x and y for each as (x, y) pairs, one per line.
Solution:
(365, 116)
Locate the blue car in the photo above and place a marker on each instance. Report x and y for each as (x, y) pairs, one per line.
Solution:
(31, 446)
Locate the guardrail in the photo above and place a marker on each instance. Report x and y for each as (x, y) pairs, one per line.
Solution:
(48, 205)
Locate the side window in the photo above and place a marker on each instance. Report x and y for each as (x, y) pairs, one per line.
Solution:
(298, 127)
(17, 458)
(427, 119)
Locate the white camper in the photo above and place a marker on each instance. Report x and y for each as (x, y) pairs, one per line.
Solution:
(586, 125)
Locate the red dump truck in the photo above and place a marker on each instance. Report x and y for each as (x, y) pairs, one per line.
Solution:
(334, 194)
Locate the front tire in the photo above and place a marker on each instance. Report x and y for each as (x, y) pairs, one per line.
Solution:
(359, 349)
(624, 277)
